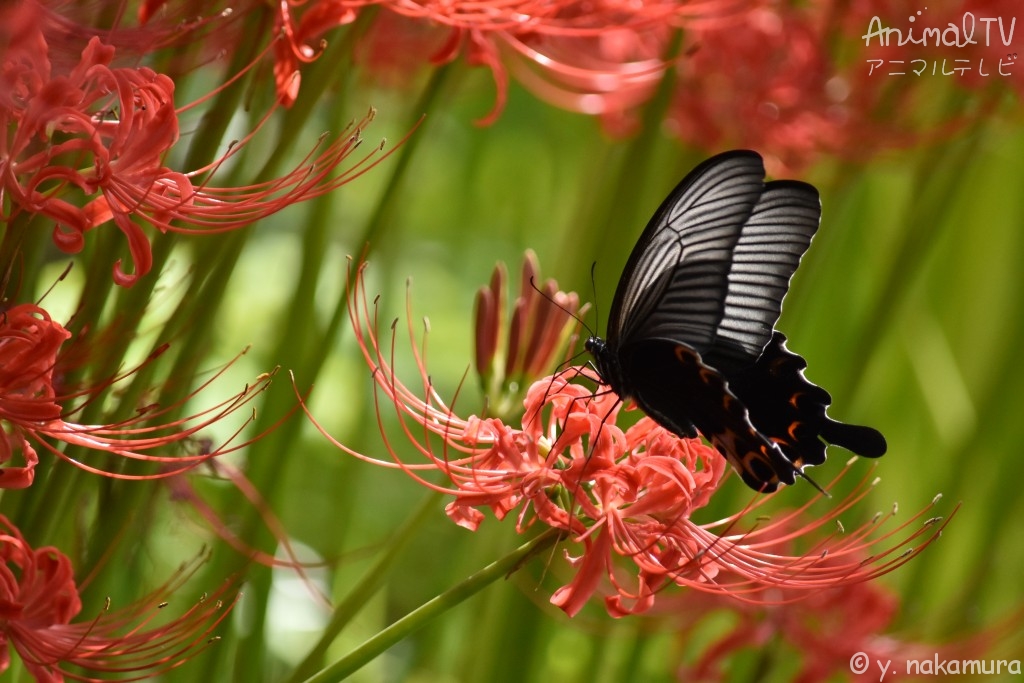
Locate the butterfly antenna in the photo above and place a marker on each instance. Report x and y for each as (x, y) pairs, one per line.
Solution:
(593, 289)
(562, 308)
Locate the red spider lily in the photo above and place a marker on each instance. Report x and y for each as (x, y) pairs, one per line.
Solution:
(29, 342)
(608, 75)
(394, 48)
(69, 26)
(620, 495)
(87, 147)
(596, 58)
(531, 341)
(39, 598)
(555, 17)
(796, 81)
(297, 34)
(766, 81)
(294, 35)
(826, 628)
(31, 409)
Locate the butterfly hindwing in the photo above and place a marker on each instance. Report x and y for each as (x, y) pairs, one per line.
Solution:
(662, 371)
(791, 411)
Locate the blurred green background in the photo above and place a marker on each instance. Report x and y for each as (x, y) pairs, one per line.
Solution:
(908, 308)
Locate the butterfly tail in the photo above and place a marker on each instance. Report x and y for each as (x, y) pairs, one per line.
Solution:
(864, 441)
(791, 410)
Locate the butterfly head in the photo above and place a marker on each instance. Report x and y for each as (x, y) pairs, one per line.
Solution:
(606, 362)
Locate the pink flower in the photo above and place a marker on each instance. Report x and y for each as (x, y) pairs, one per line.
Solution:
(39, 598)
(623, 496)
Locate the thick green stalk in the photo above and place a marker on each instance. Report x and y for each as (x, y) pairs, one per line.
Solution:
(937, 182)
(366, 588)
(434, 608)
(388, 203)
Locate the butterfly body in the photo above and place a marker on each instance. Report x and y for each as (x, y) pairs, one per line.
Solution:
(691, 333)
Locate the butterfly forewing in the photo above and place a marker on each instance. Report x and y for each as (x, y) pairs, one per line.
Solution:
(767, 254)
(675, 282)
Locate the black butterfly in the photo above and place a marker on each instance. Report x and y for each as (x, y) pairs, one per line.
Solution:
(691, 333)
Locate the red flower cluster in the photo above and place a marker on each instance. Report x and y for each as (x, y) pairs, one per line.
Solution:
(793, 81)
(597, 58)
(29, 342)
(764, 82)
(39, 598)
(32, 410)
(293, 48)
(619, 494)
(87, 147)
(833, 631)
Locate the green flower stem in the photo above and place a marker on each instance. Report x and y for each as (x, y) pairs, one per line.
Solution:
(936, 192)
(432, 609)
(366, 588)
(301, 347)
(266, 470)
(388, 204)
(22, 250)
